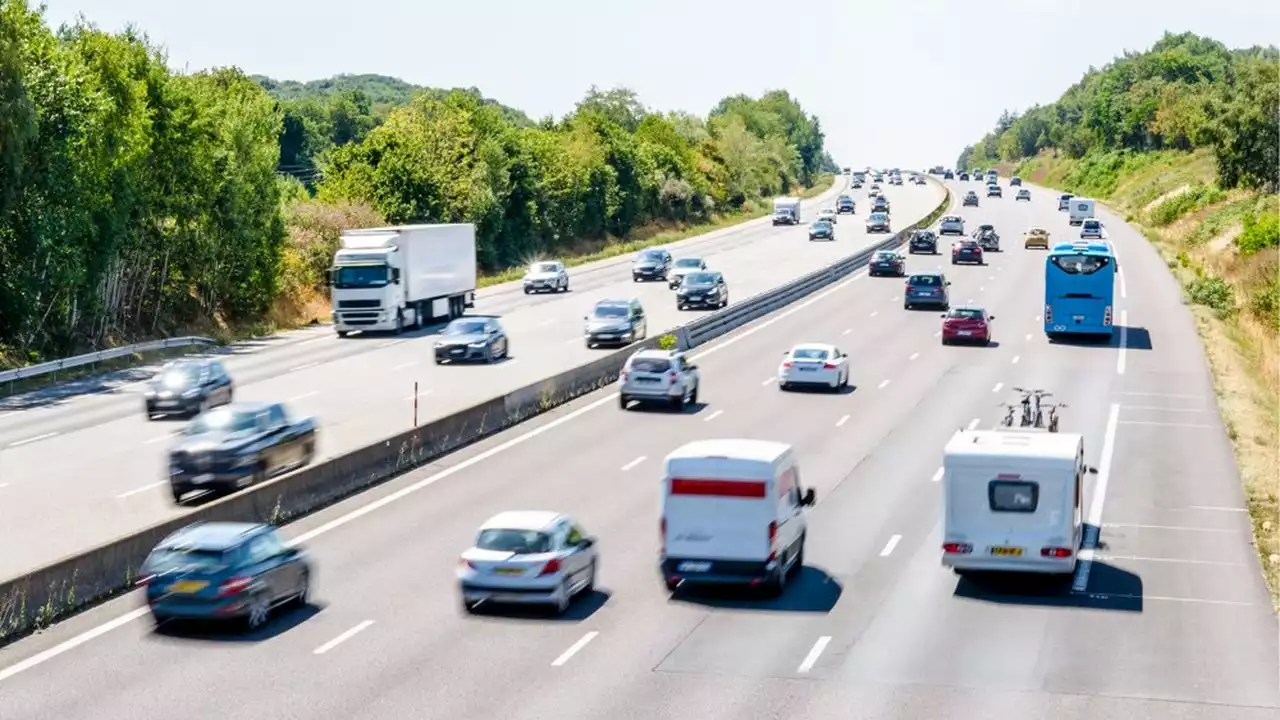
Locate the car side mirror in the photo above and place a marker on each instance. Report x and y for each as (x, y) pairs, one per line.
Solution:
(588, 542)
(1092, 470)
(991, 317)
(691, 367)
(586, 317)
(810, 497)
(948, 282)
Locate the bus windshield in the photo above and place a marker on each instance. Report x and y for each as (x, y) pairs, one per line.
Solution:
(1080, 264)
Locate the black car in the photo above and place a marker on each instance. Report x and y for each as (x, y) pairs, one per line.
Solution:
(923, 241)
(652, 264)
(616, 322)
(964, 176)
(1015, 181)
(887, 262)
(949, 175)
(844, 204)
(224, 571)
(187, 387)
(822, 230)
(472, 338)
(702, 290)
(880, 204)
(239, 445)
(927, 289)
(967, 251)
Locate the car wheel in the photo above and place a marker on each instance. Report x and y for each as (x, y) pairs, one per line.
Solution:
(590, 587)
(798, 565)
(303, 598)
(259, 611)
(527, 291)
(308, 453)
(178, 491)
(563, 598)
(778, 583)
(672, 585)
(906, 306)
(693, 397)
(623, 401)
(468, 607)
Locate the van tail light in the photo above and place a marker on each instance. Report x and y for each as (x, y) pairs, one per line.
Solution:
(234, 586)
(957, 548)
(1055, 552)
(663, 535)
(1048, 314)
(773, 541)
(551, 568)
(1106, 316)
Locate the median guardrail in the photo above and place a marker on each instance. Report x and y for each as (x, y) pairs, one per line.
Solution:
(30, 371)
(48, 594)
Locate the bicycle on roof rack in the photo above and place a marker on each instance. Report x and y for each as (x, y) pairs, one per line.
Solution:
(1033, 411)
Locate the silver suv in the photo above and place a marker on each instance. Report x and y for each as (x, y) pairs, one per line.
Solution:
(951, 225)
(662, 376)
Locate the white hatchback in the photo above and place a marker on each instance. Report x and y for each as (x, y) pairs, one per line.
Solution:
(528, 557)
(814, 364)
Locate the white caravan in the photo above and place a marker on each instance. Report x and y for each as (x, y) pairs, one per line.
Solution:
(786, 211)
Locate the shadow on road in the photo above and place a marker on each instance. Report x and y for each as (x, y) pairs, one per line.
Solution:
(811, 590)
(282, 620)
(1109, 588)
(583, 607)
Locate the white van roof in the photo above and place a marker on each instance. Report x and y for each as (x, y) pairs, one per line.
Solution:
(765, 451)
(1013, 444)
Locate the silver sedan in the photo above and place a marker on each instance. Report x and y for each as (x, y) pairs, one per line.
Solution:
(528, 557)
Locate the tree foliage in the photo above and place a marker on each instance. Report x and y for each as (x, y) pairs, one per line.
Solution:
(1185, 92)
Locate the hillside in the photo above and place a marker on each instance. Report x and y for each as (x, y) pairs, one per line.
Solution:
(1182, 140)
(136, 201)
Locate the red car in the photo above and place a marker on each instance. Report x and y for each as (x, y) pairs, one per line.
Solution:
(966, 324)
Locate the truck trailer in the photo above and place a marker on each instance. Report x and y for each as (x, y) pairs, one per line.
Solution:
(395, 278)
(786, 211)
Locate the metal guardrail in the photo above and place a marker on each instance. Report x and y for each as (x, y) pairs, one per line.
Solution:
(24, 373)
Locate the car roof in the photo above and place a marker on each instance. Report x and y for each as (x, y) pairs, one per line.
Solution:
(187, 362)
(814, 346)
(212, 535)
(691, 258)
(971, 308)
(246, 406)
(612, 302)
(522, 520)
(657, 353)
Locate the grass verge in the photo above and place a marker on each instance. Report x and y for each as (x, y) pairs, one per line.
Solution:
(1221, 247)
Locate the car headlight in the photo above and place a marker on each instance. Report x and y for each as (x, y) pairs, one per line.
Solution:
(478, 345)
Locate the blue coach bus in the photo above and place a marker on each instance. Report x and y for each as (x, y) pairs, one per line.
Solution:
(1079, 290)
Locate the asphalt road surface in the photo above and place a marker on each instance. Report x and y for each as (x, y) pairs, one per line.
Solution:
(76, 473)
(1172, 620)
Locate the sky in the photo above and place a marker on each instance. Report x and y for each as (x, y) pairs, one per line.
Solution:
(895, 83)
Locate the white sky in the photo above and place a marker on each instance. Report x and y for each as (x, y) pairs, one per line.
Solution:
(895, 82)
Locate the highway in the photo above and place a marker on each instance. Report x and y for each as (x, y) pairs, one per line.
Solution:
(78, 473)
(1172, 620)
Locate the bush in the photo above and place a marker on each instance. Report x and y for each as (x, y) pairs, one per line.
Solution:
(1259, 233)
(1196, 197)
(1212, 292)
(1264, 303)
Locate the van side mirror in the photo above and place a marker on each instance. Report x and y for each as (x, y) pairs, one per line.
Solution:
(991, 317)
(395, 276)
(328, 276)
(810, 497)
(1092, 470)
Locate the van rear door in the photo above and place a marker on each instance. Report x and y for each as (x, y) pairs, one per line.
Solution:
(716, 519)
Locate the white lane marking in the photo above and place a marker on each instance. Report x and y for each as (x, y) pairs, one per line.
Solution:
(304, 396)
(1124, 287)
(1162, 598)
(421, 393)
(389, 343)
(936, 334)
(342, 638)
(814, 653)
(1099, 498)
(160, 438)
(1037, 318)
(768, 380)
(847, 331)
(883, 384)
(713, 416)
(1016, 358)
(37, 438)
(937, 475)
(889, 546)
(981, 288)
(997, 387)
(72, 643)
(1124, 341)
(571, 341)
(973, 423)
(969, 301)
(875, 313)
(1028, 336)
(574, 648)
(142, 489)
(1166, 424)
(1180, 528)
(1163, 395)
(991, 277)
(3, 485)
(1135, 558)
(1215, 508)
(405, 365)
(914, 356)
(843, 419)
(1152, 408)
(633, 463)
(545, 323)
(304, 366)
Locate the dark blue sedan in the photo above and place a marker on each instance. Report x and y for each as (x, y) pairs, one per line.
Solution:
(224, 571)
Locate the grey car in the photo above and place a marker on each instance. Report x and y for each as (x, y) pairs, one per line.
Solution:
(951, 225)
(682, 267)
(659, 376)
(994, 191)
(616, 323)
(652, 264)
(878, 223)
(822, 230)
(549, 276)
(1023, 194)
(702, 289)
(472, 339)
(880, 205)
(970, 198)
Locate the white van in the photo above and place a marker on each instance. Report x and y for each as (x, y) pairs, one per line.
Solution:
(1011, 501)
(1081, 209)
(733, 514)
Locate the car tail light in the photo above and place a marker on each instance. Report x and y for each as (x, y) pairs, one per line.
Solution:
(673, 376)
(957, 548)
(234, 586)
(786, 364)
(1055, 552)
(623, 375)
(1048, 314)
(773, 541)
(466, 563)
(552, 567)
(829, 366)
(1106, 316)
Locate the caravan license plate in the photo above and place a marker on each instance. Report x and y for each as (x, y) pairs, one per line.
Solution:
(1006, 551)
(694, 566)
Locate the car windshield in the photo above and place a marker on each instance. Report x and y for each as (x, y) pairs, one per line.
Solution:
(1080, 264)
(650, 365)
(361, 276)
(546, 267)
(179, 376)
(176, 559)
(809, 354)
(650, 256)
(886, 255)
(821, 225)
(925, 280)
(702, 278)
(1091, 225)
(986, 228)
(520, 542)
(689, 262)
(878, 216)
(966, 313)
(221, 419)
(611, 311)
(465, 327)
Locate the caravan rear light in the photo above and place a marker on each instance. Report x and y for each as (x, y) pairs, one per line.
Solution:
(773, 540)
(1055, 552)
(1048, 314)
(957, 548)
(1106, 316)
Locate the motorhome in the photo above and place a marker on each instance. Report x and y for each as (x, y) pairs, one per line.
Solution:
(1081, 209)
(786, 211)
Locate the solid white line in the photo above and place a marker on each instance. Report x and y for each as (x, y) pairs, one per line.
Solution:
(1028, 336)
(633, 463)
(71, 644)
(814, 653)
(37, 438)
(402, 366)
(1016, 358)
(997, 387)
(303, 366)
(303, 396)
(875, 313)
(1164, 395)
(1135, 558)
(342, 638)
(1165, 424)
(883, 384)
(1163, 409)
(768, 380)
(843, 419)
(973, 423)
(713, 416)
(574, 648)
(1179, 528)
(1164, 598)
(1099, 499)
(1124, 341)
(937, 475)
(160, 438)
(1215, 508)
(914, 356)
(142, 489)
(889, 546)
(389, 343)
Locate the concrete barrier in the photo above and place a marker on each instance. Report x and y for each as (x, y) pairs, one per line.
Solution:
(50, 593)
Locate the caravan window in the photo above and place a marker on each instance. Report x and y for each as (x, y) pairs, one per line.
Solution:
(1016, 496)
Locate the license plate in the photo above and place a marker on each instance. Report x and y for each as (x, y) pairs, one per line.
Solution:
(804, 369)
(1078, 318)
(509, 571)
(1006, 551)
(964, 332)
(604, 337)
(202, 478)
(647, 380)
(695, 298)
(166, 403)
(694, 566)
(188, 586)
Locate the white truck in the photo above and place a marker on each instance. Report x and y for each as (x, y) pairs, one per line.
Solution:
(393, 278)
(1081, 209)
(786, 211)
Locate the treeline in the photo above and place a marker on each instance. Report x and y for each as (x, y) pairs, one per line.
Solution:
(139, 201)
(1186, 92)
